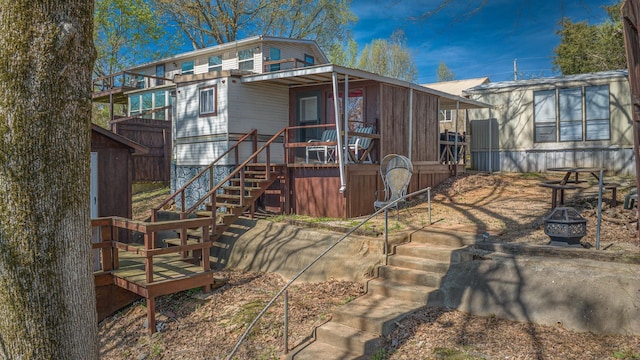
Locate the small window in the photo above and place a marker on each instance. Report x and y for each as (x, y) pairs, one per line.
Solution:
(208, 100)
(159, 74)
(597, 112)
(446, 115)
(309, 60)
(215, 63)
(245, 59)
(187, 67)
(544, 116)
(159, 98)
(140, 82)
(134, 105)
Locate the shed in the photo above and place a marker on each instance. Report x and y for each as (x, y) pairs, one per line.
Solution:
(111, 172)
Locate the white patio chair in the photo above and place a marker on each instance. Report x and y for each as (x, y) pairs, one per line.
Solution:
(330, 135)
(396, 171)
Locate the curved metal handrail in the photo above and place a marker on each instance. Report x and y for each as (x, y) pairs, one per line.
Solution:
(295, 277)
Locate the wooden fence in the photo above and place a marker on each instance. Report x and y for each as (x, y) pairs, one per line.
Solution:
(154, 134)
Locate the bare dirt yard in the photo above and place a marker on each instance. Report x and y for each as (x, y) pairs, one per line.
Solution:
(509, 207)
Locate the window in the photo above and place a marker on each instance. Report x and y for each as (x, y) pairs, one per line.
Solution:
(245, 59)
(208, 101)
(446, 115)
(572, 114)
(355, 108)
(274, 55)
(147, 101)
(159, 74)
(215, 63)
(159, 101)
(187, 68)
(139, 82)
(147, 104)
(308, 60)
(134, 105)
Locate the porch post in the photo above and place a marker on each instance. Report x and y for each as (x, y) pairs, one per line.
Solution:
(410, 122)
(346, 118)
(455, 142)
(490, 141)
(334, 80)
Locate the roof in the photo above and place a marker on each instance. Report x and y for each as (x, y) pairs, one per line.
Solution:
(323, 74)
(456, 87)
(140, 149)
(232, 45)
(549, 81)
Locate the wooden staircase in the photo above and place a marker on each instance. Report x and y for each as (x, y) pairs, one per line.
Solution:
(409, 282)
(237, 198)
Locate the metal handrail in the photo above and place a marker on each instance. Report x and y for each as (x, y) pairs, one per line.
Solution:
(295, 277)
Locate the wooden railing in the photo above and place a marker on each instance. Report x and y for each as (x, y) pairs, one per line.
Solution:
(128, 80)
(453, 152)
(253, 135)
(109, 244)
(283, 64)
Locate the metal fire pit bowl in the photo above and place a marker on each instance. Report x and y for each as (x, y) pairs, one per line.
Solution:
(565, 224)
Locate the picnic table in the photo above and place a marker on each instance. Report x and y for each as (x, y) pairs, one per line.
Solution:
(572, 178)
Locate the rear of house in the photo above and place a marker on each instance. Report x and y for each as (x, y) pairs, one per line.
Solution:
(572, 121)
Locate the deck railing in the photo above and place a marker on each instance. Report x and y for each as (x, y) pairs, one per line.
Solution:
(127, 80)
(284, 64)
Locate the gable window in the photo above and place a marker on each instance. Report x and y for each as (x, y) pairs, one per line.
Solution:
(446, 115)
(245, 59)
(308, 60)
(572, 114)
(215, 63)
(187, 68)
(208, 100)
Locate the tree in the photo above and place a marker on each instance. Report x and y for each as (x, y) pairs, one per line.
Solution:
(444, 73)
(47, 300)
(390, 58)
(587, 48)
(125, 31)
(210, 22)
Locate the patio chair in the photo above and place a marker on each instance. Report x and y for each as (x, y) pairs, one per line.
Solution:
(360, 147)
(330, 135)
(396, 171)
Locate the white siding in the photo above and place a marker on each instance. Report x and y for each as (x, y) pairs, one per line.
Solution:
(188, 123)
(200, 153)
(258, 106)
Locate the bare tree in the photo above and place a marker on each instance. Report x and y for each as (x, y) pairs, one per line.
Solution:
(47, 301)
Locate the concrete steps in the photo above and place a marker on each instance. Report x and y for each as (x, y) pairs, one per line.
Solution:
(409, 282)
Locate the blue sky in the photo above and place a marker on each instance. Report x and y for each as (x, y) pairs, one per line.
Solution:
(483, 44)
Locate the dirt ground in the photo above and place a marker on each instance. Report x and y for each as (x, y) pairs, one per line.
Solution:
(510, 208)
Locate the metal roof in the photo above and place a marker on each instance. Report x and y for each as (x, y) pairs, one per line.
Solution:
(322, 75)
(542, 82)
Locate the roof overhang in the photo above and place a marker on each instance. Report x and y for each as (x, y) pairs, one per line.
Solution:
(322, 75)
(137, 148)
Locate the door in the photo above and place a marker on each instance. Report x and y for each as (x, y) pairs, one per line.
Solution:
(93, 191)
(308, 113)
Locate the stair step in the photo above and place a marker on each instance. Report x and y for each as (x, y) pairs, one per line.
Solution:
(314, 350)
(348, 339)
(427, 251)
(176, 242)
(248, 189)
(221, 218)
(425, 295)
(410, 276)
(247, 180)
(234, 197)
(375, 314)
(444, 238)
(417, 263)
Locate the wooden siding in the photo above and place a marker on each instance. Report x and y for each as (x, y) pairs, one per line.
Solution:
(424, 143)
(188, 122)
(316, 192)
(362, 183)
(155, 135)
(394, 126)
(114, 176)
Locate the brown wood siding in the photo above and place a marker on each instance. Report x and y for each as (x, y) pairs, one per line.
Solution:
(394, 127)
(114, 176)
(424, 144)
(362, 183)
(156, 135)
(316, 193)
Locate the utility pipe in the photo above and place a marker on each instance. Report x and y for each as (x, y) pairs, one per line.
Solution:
(334, 80)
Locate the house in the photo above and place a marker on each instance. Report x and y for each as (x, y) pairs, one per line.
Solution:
(451, 120)
(580, 120)
(285, 90)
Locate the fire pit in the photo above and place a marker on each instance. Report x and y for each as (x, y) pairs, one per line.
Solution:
(565, 224)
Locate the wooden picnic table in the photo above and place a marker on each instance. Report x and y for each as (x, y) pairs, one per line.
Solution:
(571, 179)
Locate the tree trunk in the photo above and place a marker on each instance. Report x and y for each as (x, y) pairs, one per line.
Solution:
(47, 301)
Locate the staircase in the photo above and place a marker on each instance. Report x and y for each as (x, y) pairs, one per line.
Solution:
(230, 198)
(410, 281)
